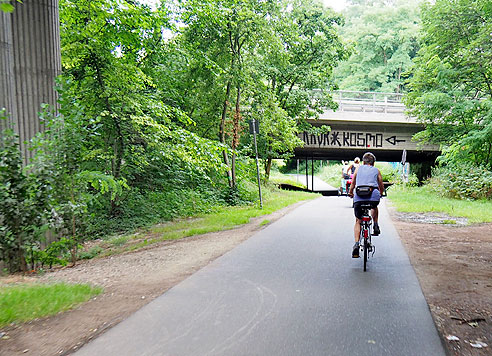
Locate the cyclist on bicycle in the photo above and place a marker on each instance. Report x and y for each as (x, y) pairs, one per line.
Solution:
(353, 166)
(351, 171)
(366, 175)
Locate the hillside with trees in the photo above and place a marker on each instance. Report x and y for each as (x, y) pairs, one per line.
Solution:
(384, 38)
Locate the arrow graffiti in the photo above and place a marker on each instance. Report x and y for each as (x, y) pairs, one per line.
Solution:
(392, 140)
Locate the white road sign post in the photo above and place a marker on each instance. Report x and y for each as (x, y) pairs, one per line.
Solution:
(405, 166)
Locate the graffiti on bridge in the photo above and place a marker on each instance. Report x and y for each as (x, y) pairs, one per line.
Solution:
(348, 139)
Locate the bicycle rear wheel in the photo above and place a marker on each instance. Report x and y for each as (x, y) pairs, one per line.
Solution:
(365, 253)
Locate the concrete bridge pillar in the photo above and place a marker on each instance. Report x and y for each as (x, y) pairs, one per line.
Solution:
(29, 62)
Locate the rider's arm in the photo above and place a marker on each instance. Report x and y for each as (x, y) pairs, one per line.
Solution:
(380, 183)
(352, 186)
(349, 169)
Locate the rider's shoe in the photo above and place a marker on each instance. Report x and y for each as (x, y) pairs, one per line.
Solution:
(376, 230)
(355, 250)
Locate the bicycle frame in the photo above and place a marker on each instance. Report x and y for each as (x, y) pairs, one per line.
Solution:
(365, 234)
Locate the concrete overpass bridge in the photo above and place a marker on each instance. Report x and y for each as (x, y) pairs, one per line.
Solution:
(367, 121)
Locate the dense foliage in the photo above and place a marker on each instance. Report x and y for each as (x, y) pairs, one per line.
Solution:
(155, 104)
(451, 92)
(236, 61)
(462, 181)
(384, 37)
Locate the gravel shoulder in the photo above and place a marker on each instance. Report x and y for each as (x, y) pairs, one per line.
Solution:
(453, 264)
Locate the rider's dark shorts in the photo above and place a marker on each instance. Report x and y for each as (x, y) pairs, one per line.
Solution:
(358, 210)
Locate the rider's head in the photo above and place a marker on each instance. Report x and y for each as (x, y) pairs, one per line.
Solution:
(356, 160)
(369, 158)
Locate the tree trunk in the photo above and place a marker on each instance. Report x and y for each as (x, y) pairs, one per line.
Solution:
(20, 254)
(488, 155)
(22, 265)
(268, 168)
(118, 147)
(398, 78)
(222, 132)
(236, 133)
(73, 250)
(118, 144)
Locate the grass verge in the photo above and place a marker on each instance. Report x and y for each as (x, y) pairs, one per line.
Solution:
(21, 303)
(424, 200)
(331, 174)
(224, 218)
(279, 178)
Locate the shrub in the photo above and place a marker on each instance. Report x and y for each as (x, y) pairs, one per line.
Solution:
(91, 253)
(388, 173)
(462, 181)
(332, 174)
(24, 197)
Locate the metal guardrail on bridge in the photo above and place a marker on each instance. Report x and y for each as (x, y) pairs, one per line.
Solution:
(364, 101)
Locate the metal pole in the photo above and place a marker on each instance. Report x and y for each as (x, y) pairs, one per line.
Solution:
(297, 175)
(312, 174)
(257, 165)
(307, 177)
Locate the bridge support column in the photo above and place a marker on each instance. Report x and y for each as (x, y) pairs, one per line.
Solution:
(307, 176)
(312, 174)
(29, 62)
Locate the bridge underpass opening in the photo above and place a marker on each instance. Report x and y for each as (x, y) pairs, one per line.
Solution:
(308, 171)
(367, 122)
(348, 139)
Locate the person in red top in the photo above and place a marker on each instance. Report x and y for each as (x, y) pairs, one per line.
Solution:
(351, 171)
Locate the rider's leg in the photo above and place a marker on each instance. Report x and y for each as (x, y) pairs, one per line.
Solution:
(375, 214)
(357, 229)
(355, 249)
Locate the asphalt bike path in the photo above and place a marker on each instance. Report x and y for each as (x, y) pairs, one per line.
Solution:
(319, 184)
(291, 289)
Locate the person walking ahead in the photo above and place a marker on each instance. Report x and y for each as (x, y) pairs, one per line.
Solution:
(366, 175)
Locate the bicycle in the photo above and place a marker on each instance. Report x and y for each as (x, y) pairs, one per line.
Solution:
(365, 233)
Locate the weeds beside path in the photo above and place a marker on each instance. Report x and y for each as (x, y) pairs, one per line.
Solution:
(424, 200)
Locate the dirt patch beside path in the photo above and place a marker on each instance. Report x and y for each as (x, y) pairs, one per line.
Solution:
(453, 264)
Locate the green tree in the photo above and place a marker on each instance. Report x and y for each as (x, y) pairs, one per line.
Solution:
(299, 56)
(450, 87)
(222, 35)
(384, 36)
(235, 55)
(111, 55)
(105, 48)
(278, 132)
